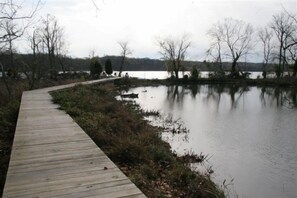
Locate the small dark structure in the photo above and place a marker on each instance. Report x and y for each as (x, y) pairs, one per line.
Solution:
(132, 95)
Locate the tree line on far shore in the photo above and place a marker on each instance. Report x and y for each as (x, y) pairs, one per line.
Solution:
(231, 42)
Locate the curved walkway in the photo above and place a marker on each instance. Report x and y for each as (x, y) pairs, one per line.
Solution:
(53, 157)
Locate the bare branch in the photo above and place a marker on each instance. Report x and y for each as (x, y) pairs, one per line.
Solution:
(125, 51)
(284, 26)
(232, 36)
(9, 10)
(174, 53)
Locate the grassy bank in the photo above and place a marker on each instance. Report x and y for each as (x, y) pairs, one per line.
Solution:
(120, 130)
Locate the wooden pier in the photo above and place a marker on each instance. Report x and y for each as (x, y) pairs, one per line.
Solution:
(53, 157)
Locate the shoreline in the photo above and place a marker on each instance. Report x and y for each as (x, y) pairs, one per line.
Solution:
(120, 130)
(10, 111)
(249, 82)
(281, 82)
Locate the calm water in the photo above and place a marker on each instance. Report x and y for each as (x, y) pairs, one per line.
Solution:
(249, 133)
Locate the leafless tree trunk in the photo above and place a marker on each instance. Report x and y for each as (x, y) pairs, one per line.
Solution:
(215, 50)
(174, 53)
(12, 32)
(292, 46)
(5, 80)
(284, 27)
(61, 49)
(33, 68)
(265, 37)
(238, 38)
(53, 39)
(126, 51)
(13, 23)
(234, 37)
(293, 56)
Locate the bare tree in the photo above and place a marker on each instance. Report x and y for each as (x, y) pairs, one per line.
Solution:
(174, 53)
(53, 39)
(293, 57)
(265, 35)
(292, 45)
(125, 51)
(216, 35)
(237, 35)
(34, 68)
(61, 49)
(13, 23)
(12, 32)
(233, 38)
(284, 26)
(92, 53)
(10, 9)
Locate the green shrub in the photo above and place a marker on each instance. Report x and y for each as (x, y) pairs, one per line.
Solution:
(95, 68)
(108, 67)
(194, 73)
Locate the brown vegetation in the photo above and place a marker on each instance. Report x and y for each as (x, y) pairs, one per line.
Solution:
(120, 130)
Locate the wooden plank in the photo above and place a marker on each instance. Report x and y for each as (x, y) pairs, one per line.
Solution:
(113, 191)
(77, 163)
(52, 148)
(53, 178)
(49, 140)
(62, 190)
(53, 157)
(45, 126)
(50, 132)
(140, 195)
(57, 115)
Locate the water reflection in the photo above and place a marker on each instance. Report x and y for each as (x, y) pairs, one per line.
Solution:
(235, 93)
(249, 131)
(272, 96)
(279, 97)
(176, 94)
(194, 90)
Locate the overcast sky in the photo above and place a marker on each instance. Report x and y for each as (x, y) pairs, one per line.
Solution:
(141, 22)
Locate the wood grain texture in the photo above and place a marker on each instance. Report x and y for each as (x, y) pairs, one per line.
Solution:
(53, 157)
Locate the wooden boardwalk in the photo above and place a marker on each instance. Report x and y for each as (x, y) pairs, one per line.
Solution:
(53, 157)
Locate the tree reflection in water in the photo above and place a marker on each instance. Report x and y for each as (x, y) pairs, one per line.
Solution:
(175, 94)
(235, 92)
(279, 96)
(273, 96)
(235, 123)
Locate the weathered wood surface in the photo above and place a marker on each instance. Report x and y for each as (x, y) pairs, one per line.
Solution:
(53, 157)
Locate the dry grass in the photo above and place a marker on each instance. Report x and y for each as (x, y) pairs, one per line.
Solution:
(135, 146)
